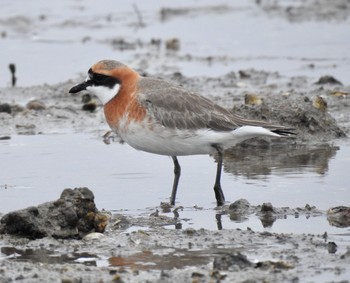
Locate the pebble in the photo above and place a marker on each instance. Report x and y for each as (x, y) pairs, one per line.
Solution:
(5, 108)
(35, 105)
(93, 236)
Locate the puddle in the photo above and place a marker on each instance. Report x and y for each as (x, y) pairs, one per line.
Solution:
(157, 259)
(170, 260)
(46, 256)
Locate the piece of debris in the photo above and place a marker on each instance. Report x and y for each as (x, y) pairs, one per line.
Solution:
(252, 99)
(320, 103)
(338, 93)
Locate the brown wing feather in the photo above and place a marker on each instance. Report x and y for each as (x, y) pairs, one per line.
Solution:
(176, 107)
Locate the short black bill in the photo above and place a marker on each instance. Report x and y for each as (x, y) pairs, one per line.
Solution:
(80, 87)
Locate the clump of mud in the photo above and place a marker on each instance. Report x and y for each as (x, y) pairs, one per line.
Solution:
(299, 113)
(73, 215)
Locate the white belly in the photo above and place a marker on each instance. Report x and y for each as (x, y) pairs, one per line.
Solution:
(175, 142)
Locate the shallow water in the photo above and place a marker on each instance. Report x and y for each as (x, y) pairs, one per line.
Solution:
(35, 169)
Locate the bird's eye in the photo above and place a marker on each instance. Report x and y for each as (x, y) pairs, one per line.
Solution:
(98, 77)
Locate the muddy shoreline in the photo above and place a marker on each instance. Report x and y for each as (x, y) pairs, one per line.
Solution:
(141, 249)
(144, 249)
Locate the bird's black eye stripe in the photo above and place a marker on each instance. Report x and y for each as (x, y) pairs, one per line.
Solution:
(102, 80)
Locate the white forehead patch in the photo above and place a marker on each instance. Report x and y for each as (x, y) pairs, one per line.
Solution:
(104, 93)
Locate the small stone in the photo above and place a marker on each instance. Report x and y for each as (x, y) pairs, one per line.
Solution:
(328, 80)
(5, 108)
(197, 274)
(241, 204)
(252, 99)
(2, 138)
(267, 207)
(172, 44)
(244, 74)
(226, 262)
(332, 247)
(91, 106)
(190, 232)
(36, 105)
(166, 207)
(93, 236)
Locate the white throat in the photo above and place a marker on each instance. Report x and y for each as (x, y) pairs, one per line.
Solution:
(104, 93)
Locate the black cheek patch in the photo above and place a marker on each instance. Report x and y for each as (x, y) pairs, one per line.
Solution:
(102, 80)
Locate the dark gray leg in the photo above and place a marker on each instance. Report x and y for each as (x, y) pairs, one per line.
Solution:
(219, 195)
(177, 173)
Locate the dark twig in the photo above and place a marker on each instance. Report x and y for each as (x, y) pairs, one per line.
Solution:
(139, 15)
(12, 68)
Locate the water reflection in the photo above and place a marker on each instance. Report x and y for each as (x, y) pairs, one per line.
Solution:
(339, 216)
(256, 162)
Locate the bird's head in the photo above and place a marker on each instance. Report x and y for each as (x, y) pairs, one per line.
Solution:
(105, 79)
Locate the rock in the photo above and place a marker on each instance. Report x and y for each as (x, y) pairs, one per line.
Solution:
(73, 215)
(89, 103)
(2, 138)
(328, 80)
(267, 208)
(90, 106)
(267, 215)
(239, 210)
(5, 107)
(273, 265)
(231, 261)
(243, 74)
(241, 205)
(332, 247)
(339, 216)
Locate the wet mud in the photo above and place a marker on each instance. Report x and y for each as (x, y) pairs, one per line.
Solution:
(143, 249)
